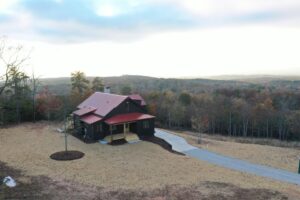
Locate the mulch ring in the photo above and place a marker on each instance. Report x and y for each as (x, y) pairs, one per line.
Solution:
(67, 155)
(162, 143)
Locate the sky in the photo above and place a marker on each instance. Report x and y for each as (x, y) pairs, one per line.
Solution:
(161, 38)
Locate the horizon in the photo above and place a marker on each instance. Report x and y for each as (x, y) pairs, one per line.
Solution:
(216, 77)
(165, 39)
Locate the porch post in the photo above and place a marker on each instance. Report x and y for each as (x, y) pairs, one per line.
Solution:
(111, 135)
(124, 130)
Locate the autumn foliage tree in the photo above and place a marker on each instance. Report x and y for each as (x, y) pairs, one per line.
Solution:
(47, 103)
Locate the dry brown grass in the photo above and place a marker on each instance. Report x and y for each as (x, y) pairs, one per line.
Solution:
(141, 165)
(278, 157)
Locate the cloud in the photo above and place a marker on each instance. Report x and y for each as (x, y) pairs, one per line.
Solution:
(5, 5)
(232, 7)
(84, 20)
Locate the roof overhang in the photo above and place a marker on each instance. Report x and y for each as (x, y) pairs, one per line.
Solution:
(90, 119)
(85, 110)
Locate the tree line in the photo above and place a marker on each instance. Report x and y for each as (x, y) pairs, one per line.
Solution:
(245, 112)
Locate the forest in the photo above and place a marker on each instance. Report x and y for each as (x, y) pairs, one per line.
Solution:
(265, 109)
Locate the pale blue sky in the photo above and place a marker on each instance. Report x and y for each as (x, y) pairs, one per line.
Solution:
(166, 38)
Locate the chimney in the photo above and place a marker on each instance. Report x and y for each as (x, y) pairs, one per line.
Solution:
(107, 89)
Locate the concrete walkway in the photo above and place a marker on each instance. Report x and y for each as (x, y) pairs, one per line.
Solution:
(179, 144)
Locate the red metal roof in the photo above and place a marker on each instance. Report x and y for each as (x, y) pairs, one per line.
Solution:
(84, 110)
(139, 98)
(128, 117)
(90, 119)
(103, 102)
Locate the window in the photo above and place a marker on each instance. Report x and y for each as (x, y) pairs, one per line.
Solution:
(99, 128)
(113, 127)
(146, 124)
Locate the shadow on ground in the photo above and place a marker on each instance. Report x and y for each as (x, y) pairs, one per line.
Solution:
(42, 187)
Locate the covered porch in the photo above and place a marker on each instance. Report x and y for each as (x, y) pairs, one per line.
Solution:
(125, 126)
(129, 137)
(119, 131)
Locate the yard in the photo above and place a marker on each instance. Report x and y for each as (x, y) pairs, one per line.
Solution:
(286, 158)
(140, 170)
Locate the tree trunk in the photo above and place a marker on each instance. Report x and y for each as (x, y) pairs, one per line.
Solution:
(169, 119)
(267, 128)
(245, 127)
(230, 126)
(199, 137)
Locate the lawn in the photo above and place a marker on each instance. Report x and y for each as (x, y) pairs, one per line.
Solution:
(142, 170)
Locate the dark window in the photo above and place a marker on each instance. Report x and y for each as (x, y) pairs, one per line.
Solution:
(99, 128)
(146, 124)
(113, 127)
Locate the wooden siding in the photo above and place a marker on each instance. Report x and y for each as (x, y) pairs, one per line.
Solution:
(142, 131)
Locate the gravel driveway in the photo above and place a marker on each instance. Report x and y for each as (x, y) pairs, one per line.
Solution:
(179, 144)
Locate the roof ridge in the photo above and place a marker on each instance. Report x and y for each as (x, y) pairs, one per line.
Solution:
(112, 94)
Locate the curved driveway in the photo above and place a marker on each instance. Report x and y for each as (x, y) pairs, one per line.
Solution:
(179, 144)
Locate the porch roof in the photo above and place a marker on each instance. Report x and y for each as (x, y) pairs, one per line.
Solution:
(90, 119)
(128, 117)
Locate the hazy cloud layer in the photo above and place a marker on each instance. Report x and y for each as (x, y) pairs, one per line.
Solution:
(87, 20)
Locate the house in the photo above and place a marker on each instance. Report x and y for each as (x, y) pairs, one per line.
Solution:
(105, 115)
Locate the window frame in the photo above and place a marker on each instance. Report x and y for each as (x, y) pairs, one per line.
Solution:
(113, 127)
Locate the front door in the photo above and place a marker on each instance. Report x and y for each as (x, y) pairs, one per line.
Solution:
(126, 128)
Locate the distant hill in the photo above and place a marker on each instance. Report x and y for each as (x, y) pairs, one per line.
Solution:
(255, 78)
(142, 84)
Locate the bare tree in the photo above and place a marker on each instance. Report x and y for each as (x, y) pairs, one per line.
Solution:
(11, 58)
(35, 82)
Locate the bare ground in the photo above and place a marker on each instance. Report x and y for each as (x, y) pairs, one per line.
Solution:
(42, 187)
(286, 158)
(132, 171)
